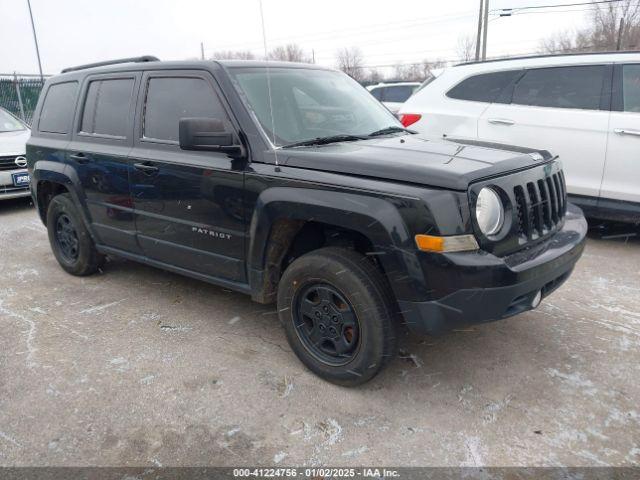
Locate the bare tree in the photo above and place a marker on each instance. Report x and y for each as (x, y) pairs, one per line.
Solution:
(415, 72)
(372, 76)
(350, 61)
(602, 31)
(291, 52)
(233, 55)
(466, 48)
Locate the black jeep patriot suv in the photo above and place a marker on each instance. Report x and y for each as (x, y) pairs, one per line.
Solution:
(291, 183)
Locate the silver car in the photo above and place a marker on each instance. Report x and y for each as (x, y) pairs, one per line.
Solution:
(14, 178)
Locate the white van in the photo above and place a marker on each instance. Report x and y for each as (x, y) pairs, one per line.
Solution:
(584, 108)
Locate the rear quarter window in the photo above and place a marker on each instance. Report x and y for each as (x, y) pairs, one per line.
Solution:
(485, 87)
(58, 107)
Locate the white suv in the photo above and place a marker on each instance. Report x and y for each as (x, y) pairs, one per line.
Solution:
(14, 178)
(584, 108)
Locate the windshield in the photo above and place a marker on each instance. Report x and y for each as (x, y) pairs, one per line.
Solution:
(8, 123)
(310, 104)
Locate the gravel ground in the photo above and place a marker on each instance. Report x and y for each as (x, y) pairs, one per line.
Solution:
(136, 366)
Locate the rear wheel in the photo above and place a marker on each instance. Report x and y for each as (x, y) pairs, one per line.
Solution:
(70, 240)
(338, 315)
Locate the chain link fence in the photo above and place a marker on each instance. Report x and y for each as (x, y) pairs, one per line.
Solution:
(19, 94)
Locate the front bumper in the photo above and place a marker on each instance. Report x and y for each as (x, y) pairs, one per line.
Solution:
(7, 189)
(493, 288)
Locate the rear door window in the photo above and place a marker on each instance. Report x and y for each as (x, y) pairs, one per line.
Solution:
(171, 98)
(397, 93)
(107, 107)
(57, 110)
(562, 87)
(377, 93)
(631, 88)
(485, 87)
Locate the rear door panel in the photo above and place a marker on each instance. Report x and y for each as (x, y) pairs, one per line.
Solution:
(101, 161)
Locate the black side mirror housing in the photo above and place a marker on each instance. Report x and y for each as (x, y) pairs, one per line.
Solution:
(208, 134)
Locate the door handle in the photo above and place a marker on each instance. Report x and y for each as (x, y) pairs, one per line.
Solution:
(80, 158)
(624, 131)
(501, 121)
(146, 168)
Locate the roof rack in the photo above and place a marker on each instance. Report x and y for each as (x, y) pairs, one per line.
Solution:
(548, 55)
(144, 58)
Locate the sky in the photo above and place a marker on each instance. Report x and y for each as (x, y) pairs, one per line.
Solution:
(73, 32)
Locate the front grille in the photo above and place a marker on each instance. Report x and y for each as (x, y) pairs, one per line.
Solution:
(540, 205)
(9, 163)
(535, 206)
(12, 189)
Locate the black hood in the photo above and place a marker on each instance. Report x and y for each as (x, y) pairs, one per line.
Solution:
(452, 164)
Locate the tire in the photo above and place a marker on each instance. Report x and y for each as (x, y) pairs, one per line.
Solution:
(70, 240)
(331, 283)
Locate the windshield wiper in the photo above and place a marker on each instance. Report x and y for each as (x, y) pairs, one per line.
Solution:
(391, 129)
(325, 140)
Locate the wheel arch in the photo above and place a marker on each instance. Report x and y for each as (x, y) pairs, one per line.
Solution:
(373, 224)
(54, 178)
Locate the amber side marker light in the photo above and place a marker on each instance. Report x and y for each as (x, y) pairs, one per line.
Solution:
(456, 243)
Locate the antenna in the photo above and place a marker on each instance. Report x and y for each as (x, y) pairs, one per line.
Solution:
(266, 57)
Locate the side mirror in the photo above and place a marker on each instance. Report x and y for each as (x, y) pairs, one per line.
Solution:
(207, 134)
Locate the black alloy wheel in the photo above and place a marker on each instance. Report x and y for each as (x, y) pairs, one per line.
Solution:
(326, 324)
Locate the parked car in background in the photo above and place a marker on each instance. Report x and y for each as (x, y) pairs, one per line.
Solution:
(584, 108)
(393, 95)
(14, 178)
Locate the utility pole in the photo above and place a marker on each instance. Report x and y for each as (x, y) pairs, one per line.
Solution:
(313, 55)
(620, 31)
(201, 51)
(484, 32)
(35, 39)
(479, 39)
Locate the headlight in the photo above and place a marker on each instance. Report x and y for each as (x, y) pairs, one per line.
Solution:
(489, 211)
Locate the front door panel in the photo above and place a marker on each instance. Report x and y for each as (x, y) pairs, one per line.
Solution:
(188, 204)
(189, 213)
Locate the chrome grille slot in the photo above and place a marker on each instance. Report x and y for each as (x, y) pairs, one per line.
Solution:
(8, 163)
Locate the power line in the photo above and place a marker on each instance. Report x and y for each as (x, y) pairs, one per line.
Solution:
(517, 14)
(349, 32)
(531, 7)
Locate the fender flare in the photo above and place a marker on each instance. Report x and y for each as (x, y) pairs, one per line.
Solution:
(376, 218)
(60, 173)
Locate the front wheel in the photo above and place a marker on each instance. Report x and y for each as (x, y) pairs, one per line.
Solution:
(338, 314)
